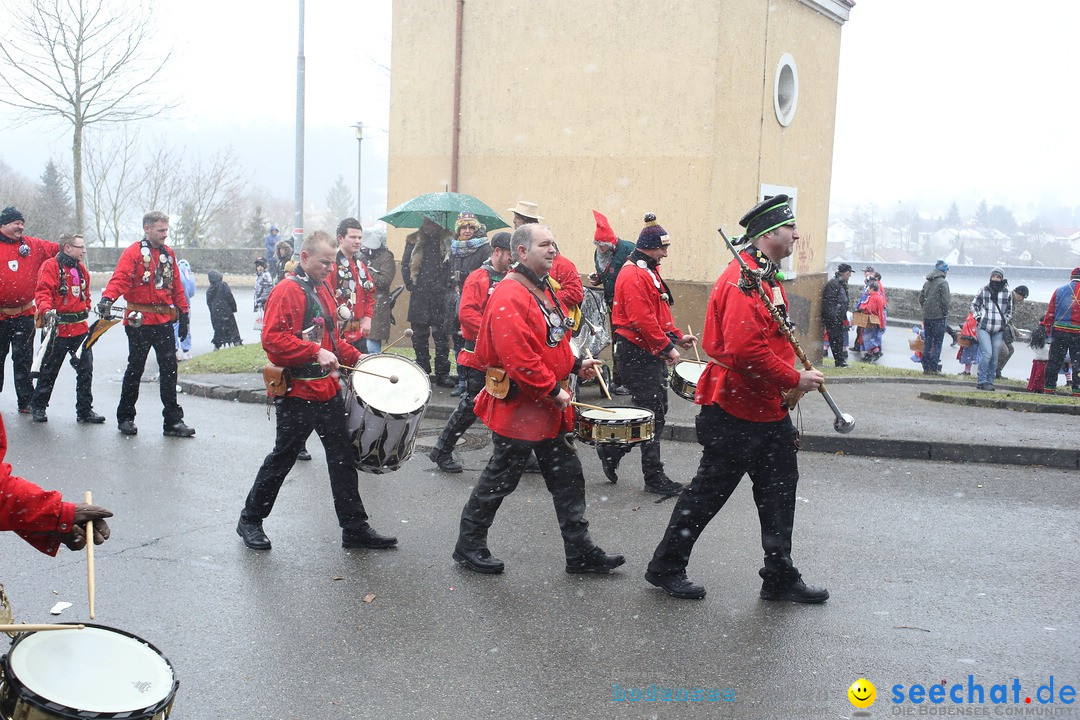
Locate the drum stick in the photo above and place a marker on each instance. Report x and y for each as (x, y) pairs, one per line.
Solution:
(406, 334)
(592, 407)
(691, 332)
(38, 628)
(392, 378)
(599, 375)
(90, 557)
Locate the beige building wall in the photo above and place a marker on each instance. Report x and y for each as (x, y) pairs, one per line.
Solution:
(623, 106)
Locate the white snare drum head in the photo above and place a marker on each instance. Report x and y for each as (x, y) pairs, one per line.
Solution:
(690, 371)
(618, 414)
(93, 670)
(408, 394)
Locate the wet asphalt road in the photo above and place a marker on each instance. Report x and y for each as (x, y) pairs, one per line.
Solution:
(937, 571)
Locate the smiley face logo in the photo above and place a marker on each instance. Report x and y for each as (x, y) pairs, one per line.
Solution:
(862, 693)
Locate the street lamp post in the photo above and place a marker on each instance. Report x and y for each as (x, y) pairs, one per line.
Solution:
(359, 126)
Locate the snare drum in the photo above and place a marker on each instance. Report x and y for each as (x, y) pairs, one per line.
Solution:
(384, 417)
(685, 376)
(97, 672)
(621, 426)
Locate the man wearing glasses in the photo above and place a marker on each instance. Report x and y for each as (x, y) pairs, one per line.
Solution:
(63, 299)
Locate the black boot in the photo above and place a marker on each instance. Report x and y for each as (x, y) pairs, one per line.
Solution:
(445, 461)
(793, 591)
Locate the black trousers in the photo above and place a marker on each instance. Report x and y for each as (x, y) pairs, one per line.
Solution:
(463, 416)
(140, 340)
(561, 469)
(1061, 344)
(17, 334)
(834, 331)
(644, 375)
(732, 448)
(50, 368)
(442, 347)
(295, 420)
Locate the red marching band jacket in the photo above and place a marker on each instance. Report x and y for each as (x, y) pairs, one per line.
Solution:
(134, 280)
(513, 336)
(571, 292)
(31, 512)
(639, 314)
(283, 326)
(753, 364)
(19, 275)
(360, 302)
(475, 293)
(73, 303)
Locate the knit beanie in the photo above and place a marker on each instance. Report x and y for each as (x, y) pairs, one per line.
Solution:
(652, 235)
(10, 215)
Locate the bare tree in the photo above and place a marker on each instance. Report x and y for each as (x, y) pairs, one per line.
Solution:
(15, 188)
(115, 178)
(210, 187)
(83, 61)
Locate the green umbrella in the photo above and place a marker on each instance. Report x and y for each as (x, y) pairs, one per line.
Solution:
(442, 208)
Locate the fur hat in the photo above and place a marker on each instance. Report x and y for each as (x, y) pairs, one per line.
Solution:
(652, 235)
(10, 215)
(604, 233)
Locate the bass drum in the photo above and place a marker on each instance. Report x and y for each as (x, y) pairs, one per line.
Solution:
(384, 417)
(97, 672)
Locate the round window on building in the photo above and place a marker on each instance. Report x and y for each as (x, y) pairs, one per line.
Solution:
(786, 90)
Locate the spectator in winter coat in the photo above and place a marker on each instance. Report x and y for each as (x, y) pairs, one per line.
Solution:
(934, 299)
(264, 283)
(271, 242)
(222, 305)
(992, 308)
(383, 268)
(187, 279)
(835, 303)
(1062, 322)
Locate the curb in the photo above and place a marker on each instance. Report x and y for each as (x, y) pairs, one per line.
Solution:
(834, 444)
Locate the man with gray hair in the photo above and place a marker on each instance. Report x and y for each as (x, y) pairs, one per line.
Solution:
(524, 341)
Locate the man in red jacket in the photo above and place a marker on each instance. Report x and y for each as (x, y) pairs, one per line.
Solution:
(63, 294)
(646, 339)
(300, 333)
(41, 517)
(525, 332)
(744, 424)
(477, 289)
(351, 284)
(21, 257)
(148, 277)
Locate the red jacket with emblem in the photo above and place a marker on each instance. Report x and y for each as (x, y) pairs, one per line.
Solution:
(475, 294)
(134, 280)
(19, 275)
(74, 301)
(513, 336)
(753, 363)
(639, 314)
(31, 512)
(283, 323)
(571, 292)
(361, 302)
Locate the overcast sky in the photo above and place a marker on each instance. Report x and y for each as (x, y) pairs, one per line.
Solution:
(938, 99)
